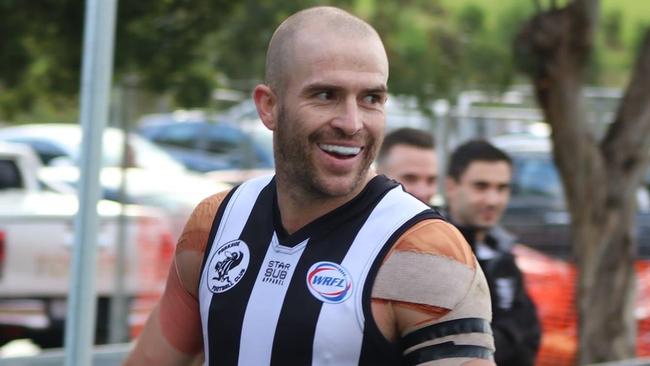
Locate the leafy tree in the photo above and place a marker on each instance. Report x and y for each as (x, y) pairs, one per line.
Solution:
(244, 37)
(187, 48)
(437, 54)
(162, 44)
(600, 177)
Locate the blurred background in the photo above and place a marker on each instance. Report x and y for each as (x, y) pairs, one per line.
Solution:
(183, 127)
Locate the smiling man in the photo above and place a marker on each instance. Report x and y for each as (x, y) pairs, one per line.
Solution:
(324, 263)
(478, 192)
(408, 156)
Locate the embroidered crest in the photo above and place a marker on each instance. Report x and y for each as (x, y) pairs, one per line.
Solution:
(227, 266)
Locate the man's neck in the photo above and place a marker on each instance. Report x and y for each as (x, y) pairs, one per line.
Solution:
(478, 234)
(299, 208)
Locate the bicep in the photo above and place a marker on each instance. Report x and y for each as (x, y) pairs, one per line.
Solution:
(172, 335)
(438, 297)
(152, 348)
(463, 332)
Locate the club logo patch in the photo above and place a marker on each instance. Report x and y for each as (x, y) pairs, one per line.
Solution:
(329, 282)
(227, 266)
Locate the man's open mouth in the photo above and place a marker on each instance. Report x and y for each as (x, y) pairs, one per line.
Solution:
(340, 152)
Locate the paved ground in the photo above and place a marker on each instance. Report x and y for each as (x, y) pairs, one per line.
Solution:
(113, 355)
(103, 356)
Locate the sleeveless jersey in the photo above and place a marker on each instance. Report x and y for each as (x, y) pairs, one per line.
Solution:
(269, 298)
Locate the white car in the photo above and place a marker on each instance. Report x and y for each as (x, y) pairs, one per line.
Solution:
(37, 229)
(152, 177)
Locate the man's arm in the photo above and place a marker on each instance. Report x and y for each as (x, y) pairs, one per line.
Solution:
(173, 335)
(430, 295)
(152, 348)
(515, 323)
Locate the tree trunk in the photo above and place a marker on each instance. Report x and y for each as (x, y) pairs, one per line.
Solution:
(600, 179)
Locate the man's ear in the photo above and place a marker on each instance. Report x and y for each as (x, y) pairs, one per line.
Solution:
(266, 103)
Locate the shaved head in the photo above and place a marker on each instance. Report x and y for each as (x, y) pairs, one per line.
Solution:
(321, 21)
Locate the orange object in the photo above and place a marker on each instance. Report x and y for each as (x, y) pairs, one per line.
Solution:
(551, 284)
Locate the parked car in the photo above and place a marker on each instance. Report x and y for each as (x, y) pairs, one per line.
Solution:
(36, 237)
(152, 177)
(537, 212)
(206, 146)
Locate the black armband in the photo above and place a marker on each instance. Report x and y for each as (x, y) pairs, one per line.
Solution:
(446, 350)
(465, 341)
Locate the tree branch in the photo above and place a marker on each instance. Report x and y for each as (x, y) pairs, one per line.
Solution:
(584, 20)
(626, 144)
(588, 9)
(553, 48)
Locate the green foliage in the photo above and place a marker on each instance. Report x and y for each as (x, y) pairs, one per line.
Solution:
(162, 42)
(241, 43)
(436, 54)
(471, 19)
(184, 49)
(38, 52)
(613, 28)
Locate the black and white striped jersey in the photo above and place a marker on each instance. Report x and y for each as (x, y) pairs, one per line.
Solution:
(269, 298)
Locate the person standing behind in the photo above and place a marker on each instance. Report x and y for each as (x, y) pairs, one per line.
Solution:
(478, 191)
(408, 155)
(324, 263)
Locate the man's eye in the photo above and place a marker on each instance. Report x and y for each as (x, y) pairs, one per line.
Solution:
(372, 99)
(325, 95)
(410, 178)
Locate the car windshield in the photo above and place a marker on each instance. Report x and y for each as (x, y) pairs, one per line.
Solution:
(146, 155)
(61, 145)
(535, 175)
(142, 153)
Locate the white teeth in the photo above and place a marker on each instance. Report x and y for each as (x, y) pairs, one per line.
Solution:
(341, 150)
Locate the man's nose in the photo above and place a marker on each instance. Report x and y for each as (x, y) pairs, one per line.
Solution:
(348, 119)
(492, 197)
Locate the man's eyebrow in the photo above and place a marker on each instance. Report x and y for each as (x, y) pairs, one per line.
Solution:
(316, 87)
(480, 182)
(382, 89)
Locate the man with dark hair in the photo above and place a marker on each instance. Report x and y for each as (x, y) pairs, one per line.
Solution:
(408, 156)
(478, 191)
(324, 263)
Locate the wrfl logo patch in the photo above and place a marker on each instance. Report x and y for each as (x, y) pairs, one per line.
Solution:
(329, 282)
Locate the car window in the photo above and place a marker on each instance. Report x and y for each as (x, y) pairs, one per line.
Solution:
(179, 135)
(10, 175)
(536, 176)
(46, 150)
(263, 140)
(142, 153)
(224, 139)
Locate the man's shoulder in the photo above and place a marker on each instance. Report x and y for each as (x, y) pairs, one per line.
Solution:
(197, 229)
(192, 243)
(437, 237)
(430, 264)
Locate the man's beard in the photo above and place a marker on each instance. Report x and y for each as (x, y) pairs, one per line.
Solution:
(295, 163)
